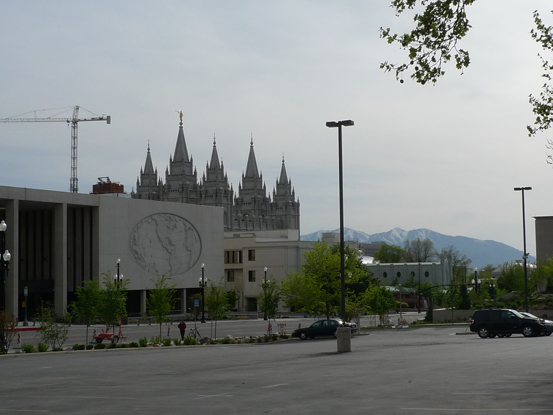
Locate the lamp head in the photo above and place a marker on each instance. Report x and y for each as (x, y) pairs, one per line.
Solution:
(7, 256)
(3, 226)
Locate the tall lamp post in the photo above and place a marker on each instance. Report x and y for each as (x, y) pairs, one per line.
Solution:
(525, 254)
(339, 124)
(118, 278)
(5, 263)
(419, 292)
(475, 280)
(203, 283)
(265, 294)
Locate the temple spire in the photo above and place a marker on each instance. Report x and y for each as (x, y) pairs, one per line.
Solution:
(251, 167)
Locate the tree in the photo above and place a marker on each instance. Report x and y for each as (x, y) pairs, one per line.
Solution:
(388, 254)
(459, 263)
(85, 308)
(317, 287)
(419, 250)
(113, 302)
(511, 278)
(8, 323)
(53, 329)
(232, 298)
(269, 298)
(161, 300)
(434, 40)
(216, 304)
(379, 300)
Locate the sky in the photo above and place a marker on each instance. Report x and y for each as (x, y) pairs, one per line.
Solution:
(444, 157)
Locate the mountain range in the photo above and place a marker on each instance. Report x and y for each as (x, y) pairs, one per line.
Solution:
(480, 252)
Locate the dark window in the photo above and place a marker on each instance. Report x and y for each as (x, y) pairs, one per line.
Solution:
(251, 276)
(385, 275)
(426, 274)
(398, 274)
(251, 254)
(230, 276)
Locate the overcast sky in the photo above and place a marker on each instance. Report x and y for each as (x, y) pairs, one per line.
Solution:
(443, 157)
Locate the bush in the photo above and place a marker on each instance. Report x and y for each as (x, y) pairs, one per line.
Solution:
(155, 340)
(28, 348)
(122, 345)
(274, 337)
(177, 341)
(89, 347)
(75, 347)
(190, 341)
(42, 347)
(143, 342)
(112, 346)
(167, 342)
(100, 346)
(134, 344)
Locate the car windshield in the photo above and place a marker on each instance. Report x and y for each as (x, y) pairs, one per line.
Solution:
(529, 315)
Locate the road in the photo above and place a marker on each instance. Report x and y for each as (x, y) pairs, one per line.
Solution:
(389, 372)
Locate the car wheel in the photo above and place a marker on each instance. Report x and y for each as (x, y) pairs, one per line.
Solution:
(303, 336)
(483, 332)
(548, 333)
(99, 341)
(115, 339)
(527, 331)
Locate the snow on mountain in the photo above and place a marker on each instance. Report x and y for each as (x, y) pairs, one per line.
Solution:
(481, 252)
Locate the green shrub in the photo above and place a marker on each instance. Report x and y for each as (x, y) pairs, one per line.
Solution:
(190, 341)
(100, 346)
(28, 348)
(42, 347)
(122, 345)
(143, 342)
(75, 347)
(266, 338)
(274, 337)
(252, 340)
(167, 342)
(177, 341)
(259, 339)
(155, 340)
(112, 346)
(133, 344)
(57, 349)
(89, 346)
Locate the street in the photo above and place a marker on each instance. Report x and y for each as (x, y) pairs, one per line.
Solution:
(415, 371)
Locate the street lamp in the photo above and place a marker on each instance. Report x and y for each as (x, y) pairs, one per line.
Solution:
(265, 294)
(118, 278)
(203, 283)
(475, 280)
(419, 292)
(525, 254)
(5, 263)
(339, 124)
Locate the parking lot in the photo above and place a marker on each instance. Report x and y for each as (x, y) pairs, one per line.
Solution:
(406, 371)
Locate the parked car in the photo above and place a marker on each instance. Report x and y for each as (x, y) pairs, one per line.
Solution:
(504, 322)
(548, 323)
(323, 328)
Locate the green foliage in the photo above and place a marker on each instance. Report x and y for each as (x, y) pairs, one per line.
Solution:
(156, 339)
(388, 254)
(89, 347)
(464, 304)
(42, 347)
(190, 341)
(161, 300)
(232, 298)
(167, 342)
(177, 341)
(8, 323)
(269, 298)
(85, 308)
(28, 348)
(543, 105)
(512, 278)
(379, 300)
(216, 304)
(143, 342)
(100, 346)
(113, 303)
(53, 329)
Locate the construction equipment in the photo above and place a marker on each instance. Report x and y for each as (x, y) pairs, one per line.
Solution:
(74, 121)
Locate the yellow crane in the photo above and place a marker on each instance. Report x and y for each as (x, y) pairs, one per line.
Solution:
(74, 121)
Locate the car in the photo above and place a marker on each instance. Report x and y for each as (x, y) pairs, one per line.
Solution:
(326, 327)
(548, 323)
(503, 322)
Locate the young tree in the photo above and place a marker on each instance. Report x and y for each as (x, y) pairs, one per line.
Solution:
(388, 254)
(53, 329)
(113, 303)
(379, 300)
(85, 308)
(232, 298)
(269, 298)
(8, 323)
(161, 300)
(216, 304)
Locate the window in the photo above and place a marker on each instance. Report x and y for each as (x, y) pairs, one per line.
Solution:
(230, 276)
(233, 257)
(251, 254)
(251, 276)
(426, 274)
(398, 274)
(385, 275)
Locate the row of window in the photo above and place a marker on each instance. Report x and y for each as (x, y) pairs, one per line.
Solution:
(385, 274)
(230, 276)
(235, 257)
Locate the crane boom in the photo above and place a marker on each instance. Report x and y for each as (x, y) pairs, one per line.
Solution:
(74, 121)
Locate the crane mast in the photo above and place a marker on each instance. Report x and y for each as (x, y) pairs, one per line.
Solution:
(74, 121)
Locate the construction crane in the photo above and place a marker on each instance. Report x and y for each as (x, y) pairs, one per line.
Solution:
(74, 121)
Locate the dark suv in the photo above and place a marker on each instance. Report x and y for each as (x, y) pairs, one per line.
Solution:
(503, 322)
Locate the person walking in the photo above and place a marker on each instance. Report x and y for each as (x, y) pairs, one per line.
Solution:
(182, 328)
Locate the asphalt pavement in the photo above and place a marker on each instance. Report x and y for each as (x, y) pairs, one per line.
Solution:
(415, 371)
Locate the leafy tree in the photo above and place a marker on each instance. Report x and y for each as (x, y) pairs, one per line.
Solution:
(388, 254)
(86, 307)
(464, 303)
(216, 304)
(419, 250)
(512, 278)
(53, 329)
(161, 300)
(269, 298)
(379, 300)
(318, 285)
(232, 298)
(113, 303)
(7, 333)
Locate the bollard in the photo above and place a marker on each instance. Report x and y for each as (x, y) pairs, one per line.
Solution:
(343, 339)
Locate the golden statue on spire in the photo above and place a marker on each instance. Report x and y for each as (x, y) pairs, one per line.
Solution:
(180, 115)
